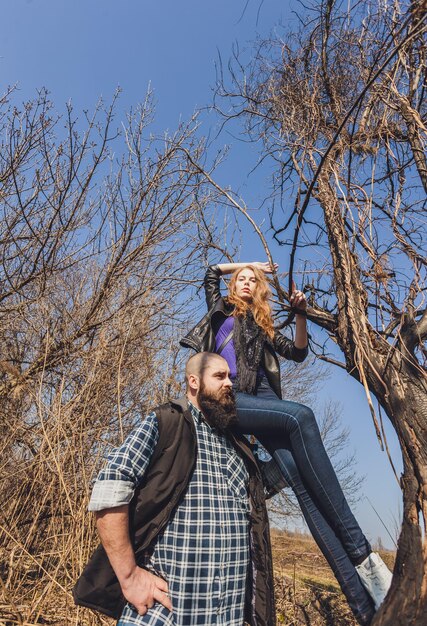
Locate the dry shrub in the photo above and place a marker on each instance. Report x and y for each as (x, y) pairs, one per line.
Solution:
(93, 263)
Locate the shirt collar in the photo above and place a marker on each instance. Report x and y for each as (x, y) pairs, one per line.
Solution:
(199, 418)
(196, 413)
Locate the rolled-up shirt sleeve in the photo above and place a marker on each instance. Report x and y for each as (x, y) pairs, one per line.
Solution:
(125, 467)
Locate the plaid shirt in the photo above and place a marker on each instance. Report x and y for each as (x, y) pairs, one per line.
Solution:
(203, 553)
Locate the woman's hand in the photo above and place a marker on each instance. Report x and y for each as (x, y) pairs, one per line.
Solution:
(298, 299)
(265, 266)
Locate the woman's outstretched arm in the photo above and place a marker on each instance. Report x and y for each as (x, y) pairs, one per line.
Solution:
(299, 303)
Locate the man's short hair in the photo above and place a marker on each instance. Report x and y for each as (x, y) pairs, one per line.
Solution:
(197, 363)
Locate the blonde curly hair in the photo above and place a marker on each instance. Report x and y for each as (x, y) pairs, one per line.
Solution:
(260, 305)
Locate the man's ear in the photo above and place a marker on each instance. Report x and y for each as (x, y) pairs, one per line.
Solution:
(193, 382)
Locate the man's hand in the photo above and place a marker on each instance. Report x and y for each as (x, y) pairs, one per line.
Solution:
(143, 589)
(140, 588)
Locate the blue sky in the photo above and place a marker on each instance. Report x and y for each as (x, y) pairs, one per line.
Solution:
(84, 49)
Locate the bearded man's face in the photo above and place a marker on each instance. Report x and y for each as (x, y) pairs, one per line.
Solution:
(217, 403)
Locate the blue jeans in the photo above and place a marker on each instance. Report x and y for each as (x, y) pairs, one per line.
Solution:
(289, 432)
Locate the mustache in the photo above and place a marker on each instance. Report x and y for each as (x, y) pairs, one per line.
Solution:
(229, 393)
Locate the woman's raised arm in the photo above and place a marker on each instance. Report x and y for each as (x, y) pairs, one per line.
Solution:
(214, 273)
(229, 268)
(299, 303)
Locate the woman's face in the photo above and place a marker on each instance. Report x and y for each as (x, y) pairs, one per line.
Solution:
(246, 284)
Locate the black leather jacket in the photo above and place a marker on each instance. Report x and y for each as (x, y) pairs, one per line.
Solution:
(202, 338)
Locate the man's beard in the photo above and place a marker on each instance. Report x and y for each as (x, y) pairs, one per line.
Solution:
(219, 408)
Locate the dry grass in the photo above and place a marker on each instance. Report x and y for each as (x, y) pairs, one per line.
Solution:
(36, 587)
(46, 534)
(96, 246)
(307, 592)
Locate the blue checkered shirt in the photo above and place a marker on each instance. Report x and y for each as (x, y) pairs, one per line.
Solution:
(203, 553)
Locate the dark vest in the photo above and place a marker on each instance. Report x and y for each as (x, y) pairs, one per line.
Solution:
(154, 503)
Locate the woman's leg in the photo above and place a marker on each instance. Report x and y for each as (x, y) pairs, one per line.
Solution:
(257, 422)
(357, 597)
(293, 426)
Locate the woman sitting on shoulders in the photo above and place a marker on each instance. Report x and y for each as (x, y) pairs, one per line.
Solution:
(240, 328)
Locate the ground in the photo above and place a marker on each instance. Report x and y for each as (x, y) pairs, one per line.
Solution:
(307, 592)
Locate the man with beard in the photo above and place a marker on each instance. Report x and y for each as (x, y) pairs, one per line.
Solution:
(181, 515)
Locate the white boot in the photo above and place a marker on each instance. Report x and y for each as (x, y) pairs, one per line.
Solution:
(375, 577)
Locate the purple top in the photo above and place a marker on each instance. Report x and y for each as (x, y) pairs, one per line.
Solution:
(228, 352)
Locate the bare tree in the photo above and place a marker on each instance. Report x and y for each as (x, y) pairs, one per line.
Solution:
(100, 227)
(339, 108)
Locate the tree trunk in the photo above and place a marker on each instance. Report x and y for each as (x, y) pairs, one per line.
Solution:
(400, 385)
(406, 406)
